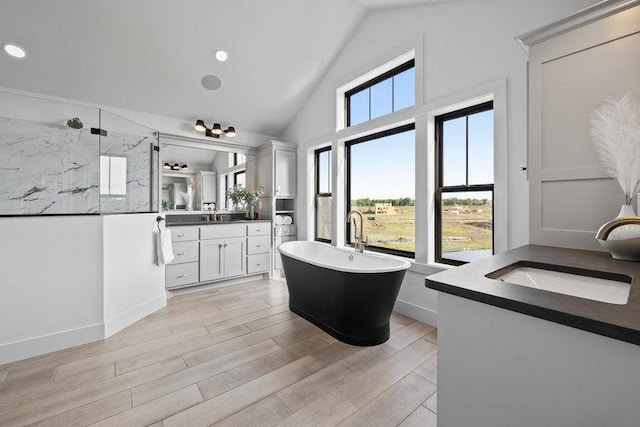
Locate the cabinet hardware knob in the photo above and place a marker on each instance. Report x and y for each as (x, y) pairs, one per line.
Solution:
(180, 235)
(258, 246)
(258, 229)
(180, 276)
(180, 253)
(258, 264)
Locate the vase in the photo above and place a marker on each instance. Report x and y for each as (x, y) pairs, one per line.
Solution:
(250, 211)
(621, 235)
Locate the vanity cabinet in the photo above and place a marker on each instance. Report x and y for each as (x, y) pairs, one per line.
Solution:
(277, 174)
(258, 247)
(214, 252)
(222, 258)
(183, 270)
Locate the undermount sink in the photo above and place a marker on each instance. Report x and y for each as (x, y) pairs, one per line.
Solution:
(611, 288)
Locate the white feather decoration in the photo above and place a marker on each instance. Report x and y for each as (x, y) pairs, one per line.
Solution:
(615, 129)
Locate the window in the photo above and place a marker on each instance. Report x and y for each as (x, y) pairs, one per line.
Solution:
(323, 194)
(240, 178)
(236, 159)
(113, 175)
(389, 92)
(464, 185)
(381, 186)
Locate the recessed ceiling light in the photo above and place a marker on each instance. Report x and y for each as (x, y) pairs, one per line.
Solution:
(221, 55)
(15, 51)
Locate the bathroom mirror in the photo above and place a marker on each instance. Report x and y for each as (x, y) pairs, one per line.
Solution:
(195, 176)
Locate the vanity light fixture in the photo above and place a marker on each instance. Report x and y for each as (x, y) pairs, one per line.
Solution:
(175, 166)
(216, 130)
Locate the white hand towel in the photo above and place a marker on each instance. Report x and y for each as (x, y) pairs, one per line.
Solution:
(165, 247)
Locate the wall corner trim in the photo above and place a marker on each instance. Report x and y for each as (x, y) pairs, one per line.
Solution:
(417, 312)
(122, 320)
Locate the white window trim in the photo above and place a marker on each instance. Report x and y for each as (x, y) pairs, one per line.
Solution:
(425, 178)
(412, 49)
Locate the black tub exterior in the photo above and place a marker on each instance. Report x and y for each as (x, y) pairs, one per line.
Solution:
(352, 307)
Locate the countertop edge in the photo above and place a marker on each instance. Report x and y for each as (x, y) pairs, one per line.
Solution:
(590, 325)
(620, 322)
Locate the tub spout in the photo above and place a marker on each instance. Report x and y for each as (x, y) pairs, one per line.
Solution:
(360, 240)
(606, 229)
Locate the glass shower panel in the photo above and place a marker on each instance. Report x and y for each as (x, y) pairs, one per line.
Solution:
(48, 157)
(128, 166)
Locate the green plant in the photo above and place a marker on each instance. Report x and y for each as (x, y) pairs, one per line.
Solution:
(251, 197)
(241, 196)
(236, 194)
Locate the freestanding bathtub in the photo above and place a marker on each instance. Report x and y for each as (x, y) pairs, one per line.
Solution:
(347, 294)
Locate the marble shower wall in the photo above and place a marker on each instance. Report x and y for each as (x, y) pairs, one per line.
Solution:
(138, 151)
(47, 169)
(52, 169)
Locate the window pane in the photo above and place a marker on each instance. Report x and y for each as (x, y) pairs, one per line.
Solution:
(454, 152)
(467, 225)
(241, 158)
(359, 107)
(383, 189)
(240, 178)
(404, 92)
(481, 148)
(323, 217)
(381, 99)
(324, 172)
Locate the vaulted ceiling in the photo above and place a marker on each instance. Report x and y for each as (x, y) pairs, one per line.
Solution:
(151, 55)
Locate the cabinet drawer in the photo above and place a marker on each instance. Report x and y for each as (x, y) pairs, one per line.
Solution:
(258, 244)
(185, 252)
(285, 230)
(259, 229)
(281, 240)
(181, 274)
(221, 231)
(257, 263)
(184, 234)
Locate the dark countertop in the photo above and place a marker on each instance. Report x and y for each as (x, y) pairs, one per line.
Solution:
(620, 322)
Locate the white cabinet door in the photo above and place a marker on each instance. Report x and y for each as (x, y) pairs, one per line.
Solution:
(209, 188)
(264, 174)
(234, 257)
(212, 260)
(285, 164)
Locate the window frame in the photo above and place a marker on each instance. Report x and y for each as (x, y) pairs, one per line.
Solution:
(347, 148)
(369, 83)
(317, 193)
(440, 189)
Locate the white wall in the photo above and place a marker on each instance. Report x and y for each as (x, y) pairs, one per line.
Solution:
(62, 284)
(51, 284)
(133, 283)
(464, 45)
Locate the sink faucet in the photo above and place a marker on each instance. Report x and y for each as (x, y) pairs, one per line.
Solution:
(607, 228)
(361, 241)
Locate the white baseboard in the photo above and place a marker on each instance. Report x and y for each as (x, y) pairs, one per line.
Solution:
(122, 320)
(18, 350)
(417, 312)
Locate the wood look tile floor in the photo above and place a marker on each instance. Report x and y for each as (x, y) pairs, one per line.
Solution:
(230, 356)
